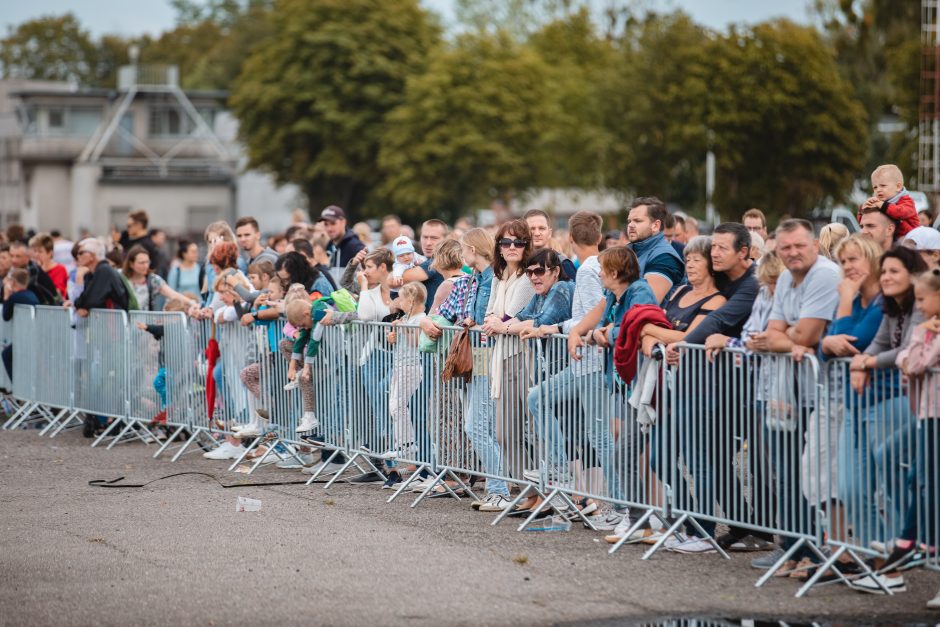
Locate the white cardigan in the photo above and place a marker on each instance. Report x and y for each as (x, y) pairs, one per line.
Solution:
(507, 298)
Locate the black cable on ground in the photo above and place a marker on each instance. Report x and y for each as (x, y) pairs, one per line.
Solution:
(114, 483)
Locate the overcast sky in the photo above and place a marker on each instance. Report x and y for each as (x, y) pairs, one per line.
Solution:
(132, 17)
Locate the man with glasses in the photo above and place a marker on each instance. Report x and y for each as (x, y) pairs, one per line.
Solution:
(755, 221)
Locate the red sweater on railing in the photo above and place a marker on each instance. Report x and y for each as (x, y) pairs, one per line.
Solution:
(628, 342)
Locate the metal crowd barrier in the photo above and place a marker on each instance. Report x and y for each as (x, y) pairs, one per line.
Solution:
(753, 441)
(25, 364)
(923, 520)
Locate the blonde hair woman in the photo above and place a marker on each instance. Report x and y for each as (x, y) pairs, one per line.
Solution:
(829, 237)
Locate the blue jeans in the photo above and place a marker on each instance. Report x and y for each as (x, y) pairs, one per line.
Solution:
(874, 447)
(159, 384)
(480, 426)
(922, 521)
(594, 396)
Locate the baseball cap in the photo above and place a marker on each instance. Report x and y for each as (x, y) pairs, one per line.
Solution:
(402, 245)
(332, 213)
(923, 238)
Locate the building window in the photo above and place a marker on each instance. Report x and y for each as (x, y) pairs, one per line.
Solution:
(56, 119)
(168, 121)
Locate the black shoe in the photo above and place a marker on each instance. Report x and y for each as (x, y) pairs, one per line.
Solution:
(899, 557)
(743, 544)
(368, 477)
(90, 426)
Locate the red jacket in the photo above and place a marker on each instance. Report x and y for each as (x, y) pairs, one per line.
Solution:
(628, 341)
(903, 212)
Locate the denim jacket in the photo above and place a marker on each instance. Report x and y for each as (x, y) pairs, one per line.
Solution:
(552, 308)
(480, 295)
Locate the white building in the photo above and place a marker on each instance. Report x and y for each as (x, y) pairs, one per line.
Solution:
(79, 159)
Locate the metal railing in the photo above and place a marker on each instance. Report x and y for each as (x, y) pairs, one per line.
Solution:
(757, 442)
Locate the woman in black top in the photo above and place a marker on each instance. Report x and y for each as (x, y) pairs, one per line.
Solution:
(691, 302)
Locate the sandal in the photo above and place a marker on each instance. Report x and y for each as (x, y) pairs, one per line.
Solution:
(786, 569)
(805, 569)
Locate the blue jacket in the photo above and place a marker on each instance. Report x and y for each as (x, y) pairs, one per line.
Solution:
(638, 293)
(552, 308)
(651, 248)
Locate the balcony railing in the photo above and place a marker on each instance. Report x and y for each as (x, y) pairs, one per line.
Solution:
(147, 76)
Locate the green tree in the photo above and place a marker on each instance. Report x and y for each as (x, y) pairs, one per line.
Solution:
(53, 48)
(470, 127)
(211, 41)
(877, 48)
(579, 61)
(787, 131)
(311, 100)
(655, 109)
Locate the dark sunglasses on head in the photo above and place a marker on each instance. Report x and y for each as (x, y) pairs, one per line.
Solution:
(514, 243)
(539, 271)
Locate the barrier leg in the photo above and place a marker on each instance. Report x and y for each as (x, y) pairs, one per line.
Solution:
(74, 415)
(412, 479)
(706, 536)
(625, 539)
(438, 480)
(780, 562)
(244, 454)
(127, 427)
(105, 433)
(525, 491)
(671, 532)
(196, 433)
(169, 441)
(20, 415)
(329, 460)
(53, 421)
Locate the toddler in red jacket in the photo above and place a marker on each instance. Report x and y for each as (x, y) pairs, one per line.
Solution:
(891, 198)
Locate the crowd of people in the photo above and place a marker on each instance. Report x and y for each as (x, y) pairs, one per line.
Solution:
(872, 297)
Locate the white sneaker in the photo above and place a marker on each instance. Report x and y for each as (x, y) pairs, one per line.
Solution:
(291, 463)
(327, 469)
(621, 529)
(293, 384)
(934, 603)
(421, 486)
(224, 451)
(405, 451)
(675, 540)
(694, 545)
(309, 422)
(254, 430)
(494, 503)
(610, 522)
(868, 584)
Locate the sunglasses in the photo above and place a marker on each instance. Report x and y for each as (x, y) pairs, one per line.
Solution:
(513, 243)
(540, 271)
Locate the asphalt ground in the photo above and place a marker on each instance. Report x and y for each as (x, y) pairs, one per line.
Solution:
(177, 553)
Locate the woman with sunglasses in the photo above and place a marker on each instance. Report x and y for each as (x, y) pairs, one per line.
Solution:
(551, 304)
(509, 380)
